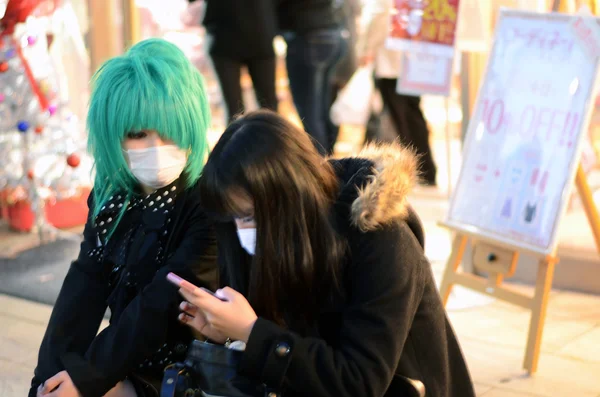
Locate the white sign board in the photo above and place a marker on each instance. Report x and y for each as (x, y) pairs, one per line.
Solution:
(425, 74)
(524, 139)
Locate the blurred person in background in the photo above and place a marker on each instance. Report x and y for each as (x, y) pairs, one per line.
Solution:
(404, 110)
(316, 41)
(240, 33)
(147, 123)
(348, 64)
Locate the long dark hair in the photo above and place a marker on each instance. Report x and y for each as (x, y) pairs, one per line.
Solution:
(298, 251)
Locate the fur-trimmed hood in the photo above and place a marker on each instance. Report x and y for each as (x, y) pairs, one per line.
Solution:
(375, 185)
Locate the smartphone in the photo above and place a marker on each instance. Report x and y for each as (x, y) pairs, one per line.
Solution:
(181, 283)
(213, 294)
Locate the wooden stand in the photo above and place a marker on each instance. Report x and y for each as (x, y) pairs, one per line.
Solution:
(496, 256)
(499, 263)
(500, 260)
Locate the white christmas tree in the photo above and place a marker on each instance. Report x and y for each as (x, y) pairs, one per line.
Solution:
(42, 144)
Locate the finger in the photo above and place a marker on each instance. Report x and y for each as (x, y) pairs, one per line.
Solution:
(227, 293)
(188, 308)
(200, 299)
(186, 285)
(47, 390)
(188, 296)
(56, 393)
(187, 314)
(52, 383)
(185, 318)
(198, 324)
(203, 299)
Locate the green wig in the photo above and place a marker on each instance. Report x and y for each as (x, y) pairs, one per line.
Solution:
(151, 87)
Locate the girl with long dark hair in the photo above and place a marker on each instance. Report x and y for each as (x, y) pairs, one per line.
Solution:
(322, 268)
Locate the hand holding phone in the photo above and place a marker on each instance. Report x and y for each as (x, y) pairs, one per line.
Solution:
(181, 283)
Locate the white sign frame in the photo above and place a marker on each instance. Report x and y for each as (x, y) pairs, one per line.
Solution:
(414, 60)
(490, 234)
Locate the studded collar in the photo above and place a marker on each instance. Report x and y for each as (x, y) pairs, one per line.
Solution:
(152, 209)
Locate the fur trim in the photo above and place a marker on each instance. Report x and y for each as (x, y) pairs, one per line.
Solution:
(384, 198)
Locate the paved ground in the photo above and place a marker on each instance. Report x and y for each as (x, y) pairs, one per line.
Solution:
(492, 334)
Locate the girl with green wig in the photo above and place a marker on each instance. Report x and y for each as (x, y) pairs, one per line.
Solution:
(147, 122)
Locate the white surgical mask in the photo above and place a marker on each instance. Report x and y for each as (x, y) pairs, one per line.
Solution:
(156, 166)
(248, 239)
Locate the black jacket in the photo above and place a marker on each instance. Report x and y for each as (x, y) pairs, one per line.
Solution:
(144, 307)
(392, 320)
(240, 29)
(301, 16)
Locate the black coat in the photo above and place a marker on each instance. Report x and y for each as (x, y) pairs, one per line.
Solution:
(144, 305)
(301, 16)
(392, 321)
(240, 29)
(245, 29)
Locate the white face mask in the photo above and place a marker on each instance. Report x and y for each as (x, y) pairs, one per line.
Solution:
(156, 166)
(248, 239)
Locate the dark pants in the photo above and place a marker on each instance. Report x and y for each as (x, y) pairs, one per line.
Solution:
(372, 128)
(347, 65)
(262, 72)
(311, 60)
(406, 114)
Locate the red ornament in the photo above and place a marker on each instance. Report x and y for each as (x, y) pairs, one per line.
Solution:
(30, 175)
(3, 67)
(73, 160)
(39, 129)
(16, 11)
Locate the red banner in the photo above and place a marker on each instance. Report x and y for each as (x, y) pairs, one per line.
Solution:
(432, 21)
(425, 30)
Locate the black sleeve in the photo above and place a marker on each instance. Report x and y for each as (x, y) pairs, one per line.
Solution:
(142, 328)
(78, 311)
(385, 289)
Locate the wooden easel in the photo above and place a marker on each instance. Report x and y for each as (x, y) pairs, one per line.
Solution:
(499, 261)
